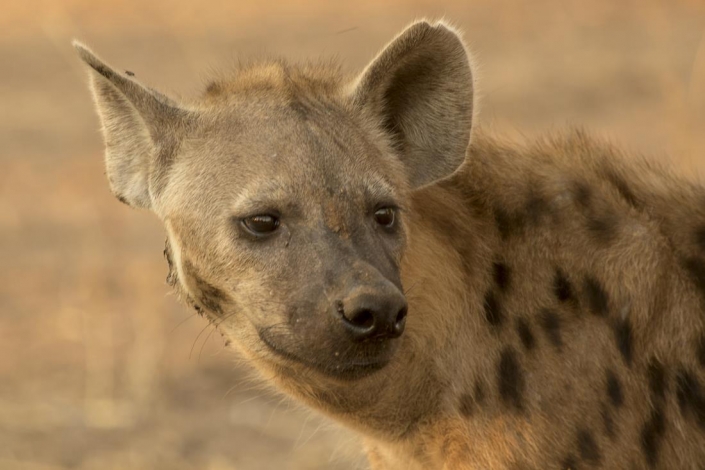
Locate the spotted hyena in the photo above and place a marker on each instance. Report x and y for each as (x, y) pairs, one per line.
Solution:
(461, 301)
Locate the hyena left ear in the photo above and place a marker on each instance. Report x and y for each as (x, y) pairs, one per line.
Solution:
(141, 128)
(421, 88)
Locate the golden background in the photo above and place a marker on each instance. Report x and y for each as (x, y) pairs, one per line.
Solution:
(99, 366)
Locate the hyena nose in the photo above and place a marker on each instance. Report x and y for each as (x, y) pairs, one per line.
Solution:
(378, 315)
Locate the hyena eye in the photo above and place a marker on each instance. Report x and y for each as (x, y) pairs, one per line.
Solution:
(261, 224)
(386, 216)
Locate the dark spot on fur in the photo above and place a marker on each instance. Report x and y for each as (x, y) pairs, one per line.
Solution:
(696, 270)
(501, 276)
(562, 288)
(624, 190)
(614, 389)
(122, 199)
(510, 380)
(651, 436)
(608, 422)
(551, 324)
(493, 309)
(466, 405)
(700, 237)
(700, 350)
(587, 448)
(623, 336)
(525, 334)
(657, 380)
(602, 227)
(479, 391)
(508, 224)
(596, 296)
(569, 463)
(583, 195)
(214, 88)
(691, 398)
(209, 296)
(536, 207)
(129, 74)
(300, 109)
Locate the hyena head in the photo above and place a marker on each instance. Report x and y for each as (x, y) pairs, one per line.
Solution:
(285, 192)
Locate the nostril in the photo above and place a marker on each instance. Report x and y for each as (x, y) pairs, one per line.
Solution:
(401, 315)
(400, 320)
(362, 318)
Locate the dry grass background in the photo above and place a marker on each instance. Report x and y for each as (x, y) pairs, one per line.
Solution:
(97, 370)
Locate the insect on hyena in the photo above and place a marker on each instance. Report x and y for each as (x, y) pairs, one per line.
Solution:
(461, 302)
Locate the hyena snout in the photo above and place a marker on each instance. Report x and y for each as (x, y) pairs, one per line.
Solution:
(373, 313)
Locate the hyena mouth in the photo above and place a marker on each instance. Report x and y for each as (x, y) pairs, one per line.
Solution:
(335, 367)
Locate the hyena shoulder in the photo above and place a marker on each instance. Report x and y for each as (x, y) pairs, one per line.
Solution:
(591, 284)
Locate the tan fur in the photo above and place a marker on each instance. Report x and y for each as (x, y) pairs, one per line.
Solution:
(555, 288)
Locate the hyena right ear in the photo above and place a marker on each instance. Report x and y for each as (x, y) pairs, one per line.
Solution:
(141, 128)
(420, 88)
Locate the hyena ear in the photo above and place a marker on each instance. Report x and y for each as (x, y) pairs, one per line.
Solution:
(140, 126)
(421, 88)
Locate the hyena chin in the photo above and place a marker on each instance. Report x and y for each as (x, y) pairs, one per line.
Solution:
(460, 301)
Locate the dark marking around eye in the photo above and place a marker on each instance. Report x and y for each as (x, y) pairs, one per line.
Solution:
(596, 296)
(562, 287)
(623, 336)
(691, 398)
(587, 448)
(510, 380)
(614, 389)
(493, 309)
(525, 334)
(551, 324)
(502, 275)
(696, 270)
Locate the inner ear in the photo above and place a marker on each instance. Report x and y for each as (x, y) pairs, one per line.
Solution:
(420, 87)
(406, 85)
(141, 129)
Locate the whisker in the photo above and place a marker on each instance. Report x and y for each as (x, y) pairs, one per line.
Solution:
(406, 291)
(193, 315)
(198, 336)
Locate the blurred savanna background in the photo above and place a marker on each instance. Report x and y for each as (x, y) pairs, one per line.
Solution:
(100, 368)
